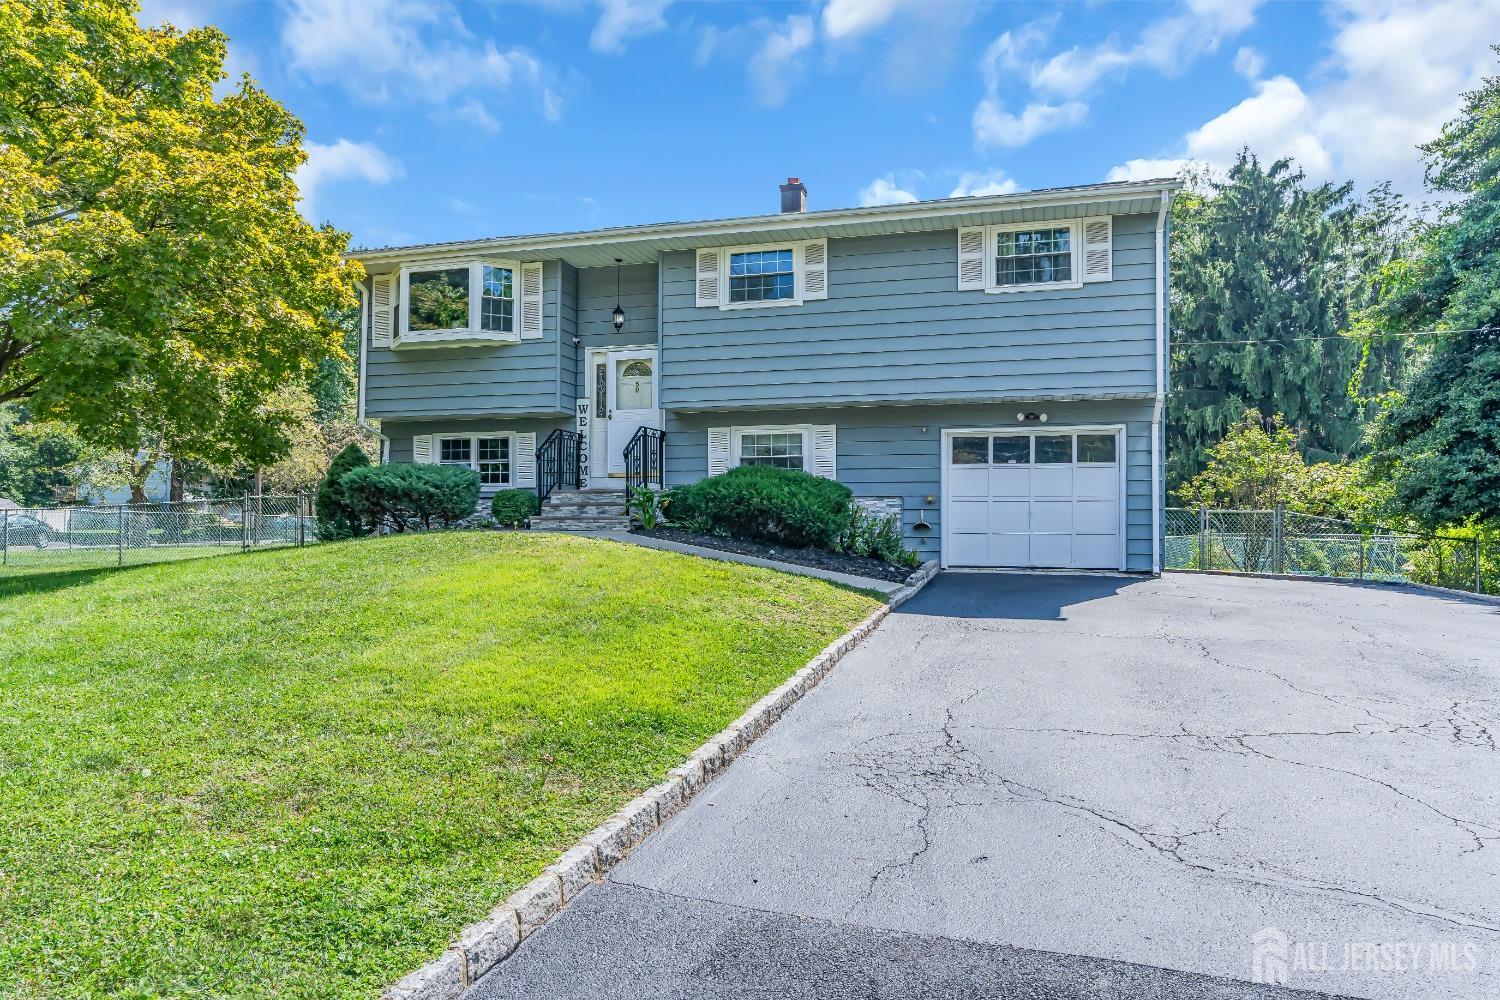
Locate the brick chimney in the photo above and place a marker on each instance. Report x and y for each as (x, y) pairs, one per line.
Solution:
(793, 196)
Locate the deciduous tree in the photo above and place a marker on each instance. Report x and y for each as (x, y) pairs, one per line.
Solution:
(157, 283)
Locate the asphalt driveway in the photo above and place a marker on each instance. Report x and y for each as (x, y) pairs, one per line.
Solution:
(1064, 786)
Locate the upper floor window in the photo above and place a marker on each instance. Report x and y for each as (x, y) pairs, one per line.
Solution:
(468, 302)
(438, 299)
(759, 276)
(762, 275)
(1034, 256)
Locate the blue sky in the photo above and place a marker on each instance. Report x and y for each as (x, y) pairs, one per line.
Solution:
(429, 120)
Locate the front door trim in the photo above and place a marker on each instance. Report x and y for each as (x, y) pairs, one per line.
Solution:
(599, 443)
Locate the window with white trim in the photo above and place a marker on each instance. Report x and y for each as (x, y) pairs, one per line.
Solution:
(762, 275)
(488, 455)
(467, 301)
(1039, 256)
(780, 449)
(1033, 256)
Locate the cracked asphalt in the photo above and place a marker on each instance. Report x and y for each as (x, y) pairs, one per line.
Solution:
(1075, 786)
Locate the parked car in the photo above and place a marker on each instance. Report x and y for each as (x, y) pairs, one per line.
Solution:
(23, 529)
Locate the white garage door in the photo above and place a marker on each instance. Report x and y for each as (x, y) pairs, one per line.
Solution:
(1043, 499)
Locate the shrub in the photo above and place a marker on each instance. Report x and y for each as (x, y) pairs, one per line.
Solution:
(878, 537)
(336, 518)
(512, 507)
(774, 505)
(408, 496)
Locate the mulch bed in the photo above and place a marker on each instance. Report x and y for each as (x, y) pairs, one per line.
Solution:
(835, 561)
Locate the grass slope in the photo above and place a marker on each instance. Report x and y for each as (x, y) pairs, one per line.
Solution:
(298, 773)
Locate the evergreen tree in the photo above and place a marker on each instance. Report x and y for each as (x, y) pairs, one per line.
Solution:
(1262, 265)
(1440, 442)
(336, 518)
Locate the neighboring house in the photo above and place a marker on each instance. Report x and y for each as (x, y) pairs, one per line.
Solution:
(991, 368)
(158, 488)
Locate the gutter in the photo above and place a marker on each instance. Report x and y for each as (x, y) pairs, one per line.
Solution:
(1161, 377)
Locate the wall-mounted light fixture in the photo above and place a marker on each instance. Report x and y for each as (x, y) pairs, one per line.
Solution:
(618, 314)
(1031, 418)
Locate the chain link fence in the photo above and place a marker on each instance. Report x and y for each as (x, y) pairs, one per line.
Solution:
(1288, 543)
(127, 535)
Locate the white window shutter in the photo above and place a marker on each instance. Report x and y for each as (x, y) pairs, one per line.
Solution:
(1097, 249)
(526, 459)
(815, 270)
(825, 446)
(707, 276)
(421, 449)
(971, 260)
(380, 310)
(718, 450)
(531, 301)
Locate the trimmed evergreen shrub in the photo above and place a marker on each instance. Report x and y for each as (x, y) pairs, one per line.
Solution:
(774, 505)
(412, 497)
(336, 518)
(512, 507)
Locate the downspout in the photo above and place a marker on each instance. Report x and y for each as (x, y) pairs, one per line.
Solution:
(359, 389)
(1161, 378)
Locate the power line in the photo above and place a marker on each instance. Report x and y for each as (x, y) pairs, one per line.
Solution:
(1337, 336)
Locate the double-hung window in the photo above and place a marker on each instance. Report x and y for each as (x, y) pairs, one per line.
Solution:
(780, 449)
(762, 275)
(490, 456)
(1034, 256)
(470, 302)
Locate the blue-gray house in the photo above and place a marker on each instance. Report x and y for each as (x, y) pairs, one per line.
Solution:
(992, 368)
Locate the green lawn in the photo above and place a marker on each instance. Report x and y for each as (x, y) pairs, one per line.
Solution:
(299, 772)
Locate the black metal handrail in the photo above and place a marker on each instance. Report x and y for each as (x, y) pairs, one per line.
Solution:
(559, 462)
(645, 460)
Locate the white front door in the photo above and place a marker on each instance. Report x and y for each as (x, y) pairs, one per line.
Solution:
(629, 400)
(1044, 499)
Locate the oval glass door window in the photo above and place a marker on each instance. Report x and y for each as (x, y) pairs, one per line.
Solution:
(633, 390)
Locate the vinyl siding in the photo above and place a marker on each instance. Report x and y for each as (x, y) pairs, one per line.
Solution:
(596, 304)
(895, 328)
(897, 451)
(401, 433)
(501, 379)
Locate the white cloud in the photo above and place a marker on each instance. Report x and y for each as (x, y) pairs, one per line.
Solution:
(416, 50)
(1167, 45)
(624, 19)
(341, 161)
(1394, 75)
(1249, 63)
(1059, 84)
(995, 126)
(1145, 170)
(475, 114)
(848, 18)
(778, 58)
(1277, 121)
(979, 184)
(884, 191)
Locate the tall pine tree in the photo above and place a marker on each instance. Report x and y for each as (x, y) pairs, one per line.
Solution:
(1263, 266)
(1440, 442)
